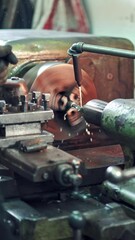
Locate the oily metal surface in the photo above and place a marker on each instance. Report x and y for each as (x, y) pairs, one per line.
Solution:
(33, 166)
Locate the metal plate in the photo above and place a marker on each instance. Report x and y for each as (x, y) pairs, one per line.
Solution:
(14, 118)
(33, 166)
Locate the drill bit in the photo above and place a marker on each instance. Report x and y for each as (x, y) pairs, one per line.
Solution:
(78, 75)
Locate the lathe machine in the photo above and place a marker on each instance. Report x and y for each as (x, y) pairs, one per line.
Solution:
(67, 149)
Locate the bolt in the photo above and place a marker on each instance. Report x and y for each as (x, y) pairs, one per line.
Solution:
(15, 78)
(109, 76)
(45, 175)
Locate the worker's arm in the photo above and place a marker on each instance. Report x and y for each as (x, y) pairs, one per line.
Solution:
(6, 57)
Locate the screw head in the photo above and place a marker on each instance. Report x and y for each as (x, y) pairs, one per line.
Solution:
(45, 175)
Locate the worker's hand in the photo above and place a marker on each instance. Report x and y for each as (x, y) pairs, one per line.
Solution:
(6, 57)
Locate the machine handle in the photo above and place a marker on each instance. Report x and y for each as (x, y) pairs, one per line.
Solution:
(77, 223)
(80, 47)
(115, 175)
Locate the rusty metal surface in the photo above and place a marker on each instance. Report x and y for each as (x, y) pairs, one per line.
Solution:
(99, 157)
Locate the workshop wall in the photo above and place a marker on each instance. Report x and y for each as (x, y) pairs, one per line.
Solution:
(100, 17)
(112, 17)
(61, 15)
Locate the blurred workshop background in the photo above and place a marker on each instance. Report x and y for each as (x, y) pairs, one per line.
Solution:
(113, 18)
(101, 17)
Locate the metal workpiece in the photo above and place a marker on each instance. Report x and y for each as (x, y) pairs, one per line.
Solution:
(80, 47)
(59, 81)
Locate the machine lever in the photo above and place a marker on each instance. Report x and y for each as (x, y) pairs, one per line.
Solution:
(80, 47)
(116, 175)
(77, 223)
